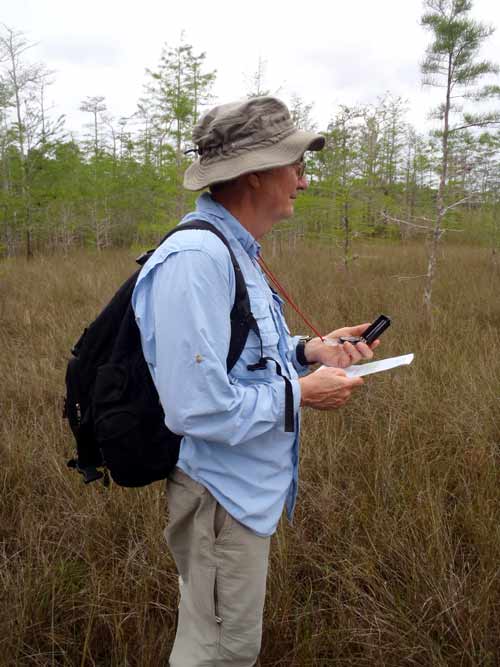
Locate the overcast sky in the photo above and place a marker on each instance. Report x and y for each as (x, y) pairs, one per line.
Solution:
(327, 52)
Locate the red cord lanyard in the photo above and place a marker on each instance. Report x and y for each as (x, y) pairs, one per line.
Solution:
(285, 295)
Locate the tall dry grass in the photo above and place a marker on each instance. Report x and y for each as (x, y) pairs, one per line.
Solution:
(393, 557)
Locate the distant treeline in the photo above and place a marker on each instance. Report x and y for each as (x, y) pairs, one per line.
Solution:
(122, 182)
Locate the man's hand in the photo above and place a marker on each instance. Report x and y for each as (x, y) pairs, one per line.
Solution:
(339, 355)
(327, 388)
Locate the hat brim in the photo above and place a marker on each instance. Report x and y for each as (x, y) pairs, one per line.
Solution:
(201, 174)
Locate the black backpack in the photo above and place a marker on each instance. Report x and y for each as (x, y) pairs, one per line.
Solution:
(111, 402)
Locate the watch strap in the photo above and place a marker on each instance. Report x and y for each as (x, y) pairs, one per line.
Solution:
(300, 351)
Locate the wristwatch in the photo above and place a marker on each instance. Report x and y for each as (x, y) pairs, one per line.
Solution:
(300, 351)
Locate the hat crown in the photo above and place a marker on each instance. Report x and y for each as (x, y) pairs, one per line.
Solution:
(243, 137)
(242, 125)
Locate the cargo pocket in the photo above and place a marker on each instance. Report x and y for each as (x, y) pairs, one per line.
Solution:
(217, 616)
(199, 625)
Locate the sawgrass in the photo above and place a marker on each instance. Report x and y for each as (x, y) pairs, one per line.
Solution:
(393, 557)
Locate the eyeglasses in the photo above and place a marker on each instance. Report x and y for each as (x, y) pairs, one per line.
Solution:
(300, 168)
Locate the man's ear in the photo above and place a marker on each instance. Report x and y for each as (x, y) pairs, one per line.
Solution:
(253, 181)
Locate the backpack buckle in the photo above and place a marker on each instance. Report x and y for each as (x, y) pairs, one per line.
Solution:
(259, 366)
(142, 259)
(89, 473)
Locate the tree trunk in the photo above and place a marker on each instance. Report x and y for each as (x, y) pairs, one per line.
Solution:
(440, 208)
(29, 247)
(347, 235)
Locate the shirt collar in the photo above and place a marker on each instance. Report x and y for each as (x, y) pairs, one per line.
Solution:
(213, 211)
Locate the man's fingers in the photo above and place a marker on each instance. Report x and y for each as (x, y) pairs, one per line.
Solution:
(342, 378)
(331, 370)
(355, 382)
(354, 354)
(364, 350)
(328, 388)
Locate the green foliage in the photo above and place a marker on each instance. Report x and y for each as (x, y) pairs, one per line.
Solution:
(178, 89)
(452, 62)
(451, 59)
(121, 184)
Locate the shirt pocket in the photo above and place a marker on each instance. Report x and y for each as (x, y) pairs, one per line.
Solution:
(278, 307)
(289, 343)
(251, 353)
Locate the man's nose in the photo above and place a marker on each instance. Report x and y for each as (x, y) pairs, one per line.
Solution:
(303, 183)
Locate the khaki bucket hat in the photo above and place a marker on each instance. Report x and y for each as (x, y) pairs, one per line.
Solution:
(242, 137)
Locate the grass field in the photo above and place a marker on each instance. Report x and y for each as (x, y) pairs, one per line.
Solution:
(394, 555)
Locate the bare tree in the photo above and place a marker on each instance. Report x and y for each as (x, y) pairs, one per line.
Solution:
(96, 106)
(24, 84)
(451, 62)
(256, 80)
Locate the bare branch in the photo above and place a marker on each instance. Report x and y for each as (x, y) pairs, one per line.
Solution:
(424, 275)
(389, 218)
(457, 203)
(425, 219)
(480, 123)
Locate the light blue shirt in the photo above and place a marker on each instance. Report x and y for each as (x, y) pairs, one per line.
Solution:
(234, 441)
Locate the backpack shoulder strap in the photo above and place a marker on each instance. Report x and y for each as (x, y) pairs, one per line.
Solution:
(242, 320)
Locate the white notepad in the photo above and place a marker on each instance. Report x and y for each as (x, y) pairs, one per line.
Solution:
(359, 370)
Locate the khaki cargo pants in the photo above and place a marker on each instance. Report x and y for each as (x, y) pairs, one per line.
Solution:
(222, 579)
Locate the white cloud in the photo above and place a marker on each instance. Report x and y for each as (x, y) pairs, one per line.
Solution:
(327, 52)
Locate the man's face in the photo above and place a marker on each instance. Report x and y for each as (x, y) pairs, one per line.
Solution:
(279, 188)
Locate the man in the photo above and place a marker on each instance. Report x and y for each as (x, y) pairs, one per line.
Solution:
(238, 464)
